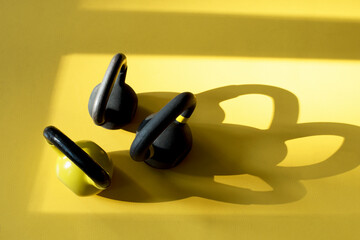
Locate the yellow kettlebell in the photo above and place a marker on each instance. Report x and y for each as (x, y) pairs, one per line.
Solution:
(84, 167)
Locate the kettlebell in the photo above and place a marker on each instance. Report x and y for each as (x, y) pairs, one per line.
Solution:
(113, 103)
(164, 139)
(84, 167)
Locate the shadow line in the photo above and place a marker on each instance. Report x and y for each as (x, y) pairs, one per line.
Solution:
(135, 32)
(214, 35)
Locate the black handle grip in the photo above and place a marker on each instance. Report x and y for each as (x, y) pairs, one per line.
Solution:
(183, 104)
(117, 69)
(55, 137)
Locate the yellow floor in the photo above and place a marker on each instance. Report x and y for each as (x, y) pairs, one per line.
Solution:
(276, 130)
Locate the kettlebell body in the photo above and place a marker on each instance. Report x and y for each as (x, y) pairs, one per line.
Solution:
(164, 139)
(120, 108)
(84, 167)
(113, 103)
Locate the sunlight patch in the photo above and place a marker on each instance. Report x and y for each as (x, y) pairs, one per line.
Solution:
(245, 181)
(311, 150)
(254, 110)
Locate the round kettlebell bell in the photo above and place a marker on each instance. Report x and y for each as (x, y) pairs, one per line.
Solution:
(164, 139)
(83, 167)
(113, 103)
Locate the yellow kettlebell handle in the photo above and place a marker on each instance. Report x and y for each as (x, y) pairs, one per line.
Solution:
(84, 167)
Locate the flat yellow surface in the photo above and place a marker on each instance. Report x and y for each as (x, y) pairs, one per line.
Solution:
(276, 130)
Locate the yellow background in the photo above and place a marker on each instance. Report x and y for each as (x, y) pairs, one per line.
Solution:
(276, 130)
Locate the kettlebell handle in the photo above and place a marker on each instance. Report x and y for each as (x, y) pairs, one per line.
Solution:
(78, 156)
(180, 107)
(116, 69)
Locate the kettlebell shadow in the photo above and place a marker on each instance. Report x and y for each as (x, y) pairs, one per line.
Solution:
(137, 182)
(221, 149)
(149, 103)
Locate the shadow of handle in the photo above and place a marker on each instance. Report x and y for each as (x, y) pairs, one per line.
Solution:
(286, 105)
(282, 191)
(347, 157)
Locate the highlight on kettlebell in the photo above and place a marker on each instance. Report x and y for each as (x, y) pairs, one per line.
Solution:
(84, 167)
(113, 103)
(164, 139)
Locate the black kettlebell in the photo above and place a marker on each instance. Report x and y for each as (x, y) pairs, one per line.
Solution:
(164, 139)
(113, 103)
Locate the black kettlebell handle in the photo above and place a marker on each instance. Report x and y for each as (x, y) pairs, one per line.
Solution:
(78, 156)
(116, 69)
(182, 105)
